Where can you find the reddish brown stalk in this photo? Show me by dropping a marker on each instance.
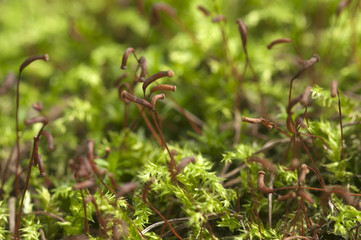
(238, 201)
(147, 189)
(149, 125)
(204, 10)
(41, 166)
(193, 120)
(292, 103)
(132, 98)
(22, 66)
(126, 54)
(143, 67)
(290, 195)
(278, 41)
(33, 160)
(306, 196)
(171, 164)
(86, 226)
(340, 117)
(155, 77)
(303, 207)
(260, 183)
(94, 167)
(156, 98)
(90, 156)
(313, 163)
(304, 172)
(167, 216)
(44, 57)
(309, 188)
(163, 87)
(305, 96)
(112, 180)
(102, 223)
(144, 198)
(251, 120)
(334, 90)
(184, 162)
(315, 58)
(347, 196)
(268, 124)
(243, 31)
(315, 136)
(341, 5)
(307, 64)
(164, 219)
(49, 139)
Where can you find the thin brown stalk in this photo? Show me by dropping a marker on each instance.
(163, 87)
(149, 125)
(278, 41)
(33, 158)
(288, 196)
(41, 166)
(172, 164)
(143, 67)
(86, 226)
(42, 234)
(22, 66)
(137, 100)
(145, 196)
(204, 10)
(156, 98)
(343, 156)
(155, 77)
(99, 214)
(315, 58)
(126, 54)
(313, 163)
(305, 96)
(193, 120)
(49, 139)
(261, 185)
